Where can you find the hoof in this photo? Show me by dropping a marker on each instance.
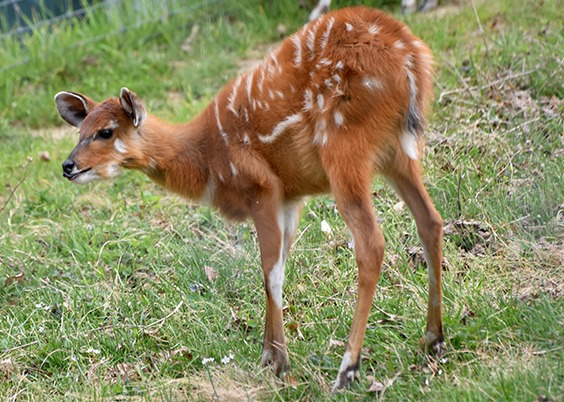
(277, 359)
(348, 372)
(432, 345)
(346, 378)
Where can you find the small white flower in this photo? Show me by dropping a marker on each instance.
(325, 228)
(207, 360)
(41, 329)
(227, 359)
(93, 351)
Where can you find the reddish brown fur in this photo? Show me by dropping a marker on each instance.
(329, 108)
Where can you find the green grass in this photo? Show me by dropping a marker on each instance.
(103, 289)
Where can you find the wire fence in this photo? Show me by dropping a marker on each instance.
(21, 18)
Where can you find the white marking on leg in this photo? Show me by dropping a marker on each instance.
(276, 276)
(119, 146)
(281, 127)
(345, 364)
(206, 199)
(409, 144)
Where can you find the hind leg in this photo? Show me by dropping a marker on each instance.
(350, 183)
(406, 179)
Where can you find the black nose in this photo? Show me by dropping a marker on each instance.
(68, 166)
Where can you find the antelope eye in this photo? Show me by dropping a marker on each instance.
(105, 133)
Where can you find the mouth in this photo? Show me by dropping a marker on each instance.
(72, 176)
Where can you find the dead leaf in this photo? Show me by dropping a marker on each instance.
(291, 381)
(211, 273)
(375, 386)
(399, 207)
(333, 343)
(19, 278)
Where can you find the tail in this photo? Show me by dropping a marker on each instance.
(414, 121)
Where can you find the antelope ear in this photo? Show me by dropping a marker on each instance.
(132, 106)
(73, 107)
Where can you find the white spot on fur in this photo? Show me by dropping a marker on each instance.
(308, 100)
(338, 119)
(337, 78)
(281, 127)
(246, 139)
(119, 146)
(234, 171)
(340, 65)
(348, 27)
(113, 124)
(409, 144)
(296, 40)
(372, 83)
(280, 94)
(320, 101)
(399, 44)
(373, 29)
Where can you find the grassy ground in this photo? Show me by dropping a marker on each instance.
(120, 291)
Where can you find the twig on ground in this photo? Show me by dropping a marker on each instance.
(489, 84)
(29, 160)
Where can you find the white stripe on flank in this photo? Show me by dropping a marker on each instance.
(219, 126)
(249, 84)
(281, 127)
(311, 40)
(325, 37)
(296, 40)
(233, 96)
